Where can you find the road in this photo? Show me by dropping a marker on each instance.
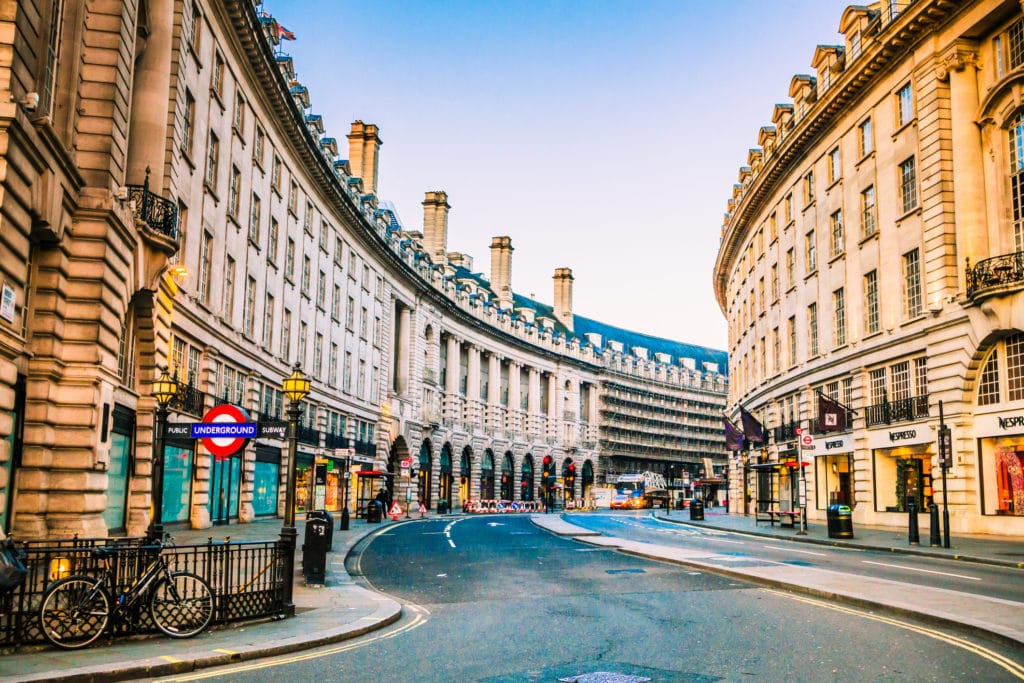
(494, 598)
(979, 579)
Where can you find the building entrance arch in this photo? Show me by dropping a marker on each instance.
(444, 480)
(507, 475)
(423, 489)
(487, 476)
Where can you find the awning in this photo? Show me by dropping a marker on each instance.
(373, 473)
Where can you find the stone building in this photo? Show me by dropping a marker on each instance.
(873, 252)
(171, 202)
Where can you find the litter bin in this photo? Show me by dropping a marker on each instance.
(324, 514)
(314, 549)
(840, 521)
(373, 513)
(696, 510)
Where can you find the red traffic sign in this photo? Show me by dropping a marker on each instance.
(225, 429)
(807, 441)
(406, 463)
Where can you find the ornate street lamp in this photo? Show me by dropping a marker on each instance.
(165, 388)
(296, 388)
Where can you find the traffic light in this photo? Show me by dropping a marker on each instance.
(547, 467)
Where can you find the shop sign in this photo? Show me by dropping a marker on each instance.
(904, 435)
(833, 445)
(1000, 424)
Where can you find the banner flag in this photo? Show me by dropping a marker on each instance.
(831, 415)
(733, 436)
(752, 429)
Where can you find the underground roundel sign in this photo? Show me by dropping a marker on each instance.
(224, 430)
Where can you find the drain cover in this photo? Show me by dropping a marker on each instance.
(604, 677)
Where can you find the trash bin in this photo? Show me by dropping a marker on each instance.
(373, 514)
(696, 510)
(314, 549)
(840, 521)
(324, 514)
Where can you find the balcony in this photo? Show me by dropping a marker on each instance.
(901, 410)
(995, 272)
(189, 400)
(786, 432)
(364, 448)
(307, 435)
(332, 441)
(158, 213)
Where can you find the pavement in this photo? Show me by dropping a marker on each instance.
(341, 610)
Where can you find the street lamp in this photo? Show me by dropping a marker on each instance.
(165, 388)
(296, 388)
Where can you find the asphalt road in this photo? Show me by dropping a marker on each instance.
(979, 579)
(497, 599)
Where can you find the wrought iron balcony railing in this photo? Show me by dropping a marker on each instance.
(158, 213)
(332, 441)
(189, 400)
(1007, 269)
(364, 448)
(307, 435)
(786, 432)
(901, 410)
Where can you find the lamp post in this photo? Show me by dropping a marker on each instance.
(165, 388)
(296, 388)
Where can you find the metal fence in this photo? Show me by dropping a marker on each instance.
(247, 580)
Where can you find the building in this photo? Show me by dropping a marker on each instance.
(873, 252)
(171, 203)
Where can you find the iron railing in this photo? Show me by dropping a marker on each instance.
(364, 448)
(332, 441)
(307, 435)
(1007, 269)
(189, 400)
(901, 410)
(247, 580)
(786, 432)
(158, 213)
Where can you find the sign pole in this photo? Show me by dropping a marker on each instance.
(946, 456)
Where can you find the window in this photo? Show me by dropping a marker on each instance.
(250, 307)
(867, 212)
(836, 233)
(346, 379)
(306, 274)
(376, 332)
(350, 314)
(293, 198)
(900, 377)
(321, 291)
(908, 185)
(318, 356)
(239, 122)
(325, 230)
(272, 240)
(810, 253)
(268, 322)
(307, 221)
(233, 190)
(839, 321)
(361, 379)
(212, 157)
(921, 376)
(776, 350)
(904, 106)
(865, 138)
(338, 250)
(275, 175)
(254, 219)
(289, 260)
(1016, 134)
(760, 295)
(876, 380)
(217, 84)
(809, 187)
(187, 122)
(792, 340)
(988, 387)
(912, 306)
(197, 26)
(993, 377)
(812, 330)
(366, 277)
(775, 282)
(205, 268)
(1015, 42)
(364, 323)
(1015, 367)
(787, 208)
(336, 303)
(835, 172)
(871, 317)
(351, 263)
(303, 341)
(332, 373)
(789, 268)
(229, 289)
(773, 228)
(286, 336)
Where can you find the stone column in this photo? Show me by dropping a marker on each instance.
(473, 385)
(402, 350)
(533, 401)
(514, 370)
(451, 382)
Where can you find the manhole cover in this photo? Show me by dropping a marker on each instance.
(605, 677)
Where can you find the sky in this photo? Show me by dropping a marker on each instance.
(600, 136)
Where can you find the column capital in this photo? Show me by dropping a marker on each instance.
(957, 57)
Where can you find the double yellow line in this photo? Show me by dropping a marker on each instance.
(1015, 668)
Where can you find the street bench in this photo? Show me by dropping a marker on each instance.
(786, 518)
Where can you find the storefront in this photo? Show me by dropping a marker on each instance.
(902, 466)
(266, 476)
(1001, 449)
(833, 470)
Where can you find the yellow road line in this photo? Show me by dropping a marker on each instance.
(226, 652)
(1015, 668)
(172, 660)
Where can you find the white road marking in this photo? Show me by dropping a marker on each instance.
(442, 576)
(926, 571)
(794, 550)
(725, 540)
(451, 542)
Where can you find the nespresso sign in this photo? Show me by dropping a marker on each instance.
(910, 435)
(1010, 422)
(832, 445)
(998, 425)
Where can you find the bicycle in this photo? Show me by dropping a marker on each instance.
(76, 610)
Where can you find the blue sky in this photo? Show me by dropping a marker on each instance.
(600, 136)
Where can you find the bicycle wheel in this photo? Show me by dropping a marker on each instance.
(75, 611)
(182, 605)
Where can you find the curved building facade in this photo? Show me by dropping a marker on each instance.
(873, 253)
(172, 202)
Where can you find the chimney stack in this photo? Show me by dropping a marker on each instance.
(435, 226)
(501, 270)
(563, 296)
(363, 152)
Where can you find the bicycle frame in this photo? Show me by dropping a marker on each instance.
(127, 598)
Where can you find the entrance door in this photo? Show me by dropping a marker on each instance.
(224, 485)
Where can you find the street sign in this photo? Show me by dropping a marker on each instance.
(180, 429)
(807, 441)
(224, 430)
(277, 429)
(406, 463)
(405, 471)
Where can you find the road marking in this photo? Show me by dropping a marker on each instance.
(1004, 662)
(725, 540)
(172, 660)
(794, 550)
(451, 542)
(926, 571)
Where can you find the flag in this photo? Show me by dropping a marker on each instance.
(284, 34)
(733, 436)
(752, 429)
(831, 415)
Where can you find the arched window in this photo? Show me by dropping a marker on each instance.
(1003, 380)
(1016, 133)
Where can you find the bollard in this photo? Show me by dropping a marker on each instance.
(914, 536)
(934, 539)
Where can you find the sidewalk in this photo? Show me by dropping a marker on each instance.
(993, 617)
(338, 611)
